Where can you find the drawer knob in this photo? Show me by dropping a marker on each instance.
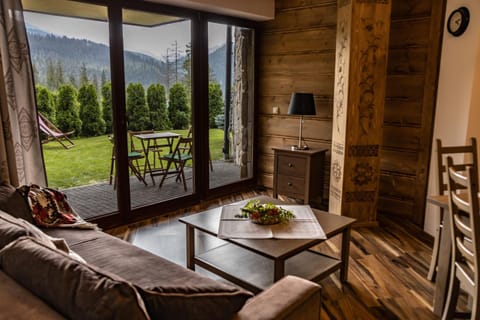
(289, 184)
(290, 164)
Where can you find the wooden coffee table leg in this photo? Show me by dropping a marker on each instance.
(190, 247)
(345, 254)
(279, 270)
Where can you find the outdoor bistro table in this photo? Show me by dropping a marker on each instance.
(150, 141)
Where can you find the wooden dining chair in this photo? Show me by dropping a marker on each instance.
(465, 234)
(442, 152)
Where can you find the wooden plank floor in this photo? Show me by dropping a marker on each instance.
(387, 271)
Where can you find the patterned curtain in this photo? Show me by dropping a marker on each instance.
(21, 160)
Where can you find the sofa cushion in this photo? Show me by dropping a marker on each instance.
(75, 289)
(18, 303)
(12, 228)
(170, 291)
(14, 203)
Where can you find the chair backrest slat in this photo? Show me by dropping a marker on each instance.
(464, 217)
(443, 151)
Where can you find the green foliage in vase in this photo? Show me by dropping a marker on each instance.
(265, 213)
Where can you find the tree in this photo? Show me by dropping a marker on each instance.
(90, 115)
(107, 107)
(178, 110)
(83, 75)
(137, 110)
(45, 102)
(215, 102)
(103, 78)
(59, 74)
(72, 80)
(51, 78)
(157, 103)
(187, 68)
(67, 109)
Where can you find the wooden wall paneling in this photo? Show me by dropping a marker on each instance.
(313, 40)
(407, 60)
(304, 18)
(403, 112)
(399, 161)
(428, 114)
(411, 89)
(322, 103)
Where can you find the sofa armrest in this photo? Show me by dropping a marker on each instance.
(289, 298)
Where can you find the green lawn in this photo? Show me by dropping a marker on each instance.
(89, 161)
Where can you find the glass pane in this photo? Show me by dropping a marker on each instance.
(158, 89)
(231, 72)
(71, 65)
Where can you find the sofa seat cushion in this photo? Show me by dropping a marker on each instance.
(75, 289)
(169, 290)
(18, 303)
(73, 236)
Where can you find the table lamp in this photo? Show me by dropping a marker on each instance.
(301, 104)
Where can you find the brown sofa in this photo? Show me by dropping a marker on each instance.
(41, 279)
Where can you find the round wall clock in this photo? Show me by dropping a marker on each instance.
(458, 20)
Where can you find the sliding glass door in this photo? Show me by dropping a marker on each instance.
(157, 64)
(230, 103)
(71, 63)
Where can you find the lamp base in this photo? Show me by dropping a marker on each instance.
(304, 147)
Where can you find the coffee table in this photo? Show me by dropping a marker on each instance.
(256, 264)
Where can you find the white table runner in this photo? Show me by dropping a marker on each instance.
(304, 226)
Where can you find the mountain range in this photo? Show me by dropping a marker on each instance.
(47, 48)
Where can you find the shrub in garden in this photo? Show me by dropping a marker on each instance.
(178, 110)
(215, 102)
(67, 109)
(92, 122)
(137, 110)
(45, 102)
(107, 107)
(157, 103)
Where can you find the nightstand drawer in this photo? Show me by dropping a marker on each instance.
(292, 166)
(291, 185)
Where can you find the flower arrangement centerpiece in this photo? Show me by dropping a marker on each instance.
(265, 213)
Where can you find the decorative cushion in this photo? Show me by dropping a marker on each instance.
(12, 228)
(74, 289)
(14, 203)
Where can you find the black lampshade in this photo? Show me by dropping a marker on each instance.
(302, 104)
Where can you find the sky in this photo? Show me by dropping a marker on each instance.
(152, 41)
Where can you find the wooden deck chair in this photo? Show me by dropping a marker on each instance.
(177, 159)
(53, 133)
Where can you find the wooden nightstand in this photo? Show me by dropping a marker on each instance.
(299, 174)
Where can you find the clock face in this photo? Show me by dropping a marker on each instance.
(458, 21)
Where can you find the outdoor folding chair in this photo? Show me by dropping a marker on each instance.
(53, 133)
(176, 161)
(132, 156)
